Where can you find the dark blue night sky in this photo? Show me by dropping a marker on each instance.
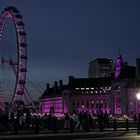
(63, 36)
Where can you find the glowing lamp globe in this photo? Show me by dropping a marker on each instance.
(138, 96)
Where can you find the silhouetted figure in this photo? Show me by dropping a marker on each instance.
(67, 121)
(54, 124)
(138, 123)
(91, 125)
(22, 121)
(127, 125)
(115, 124)
(135, 119)
(36, 125)
(86, 122)
(71, 125)
(4, 120)
(28, 119)
(16, 125)
(45, 117)
(100, 121)
(12, 117)
(106, 120)
(49, 122)
(80, 121)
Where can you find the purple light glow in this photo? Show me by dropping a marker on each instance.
(57, 103)
(118, 66)
(92, 107)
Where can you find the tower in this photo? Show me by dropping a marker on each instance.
(100, 67)
(118, 66)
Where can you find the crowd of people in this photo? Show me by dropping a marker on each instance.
(85, 121)
(82, 121)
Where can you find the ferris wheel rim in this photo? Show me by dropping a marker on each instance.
(20, 72)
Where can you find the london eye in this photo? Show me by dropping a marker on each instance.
(18, 61)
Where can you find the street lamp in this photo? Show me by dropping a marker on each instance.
(138, 97)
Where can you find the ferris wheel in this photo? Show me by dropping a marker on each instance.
(18, 63)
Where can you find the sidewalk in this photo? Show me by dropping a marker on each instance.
(69, 135)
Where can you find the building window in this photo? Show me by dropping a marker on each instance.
(77, 104)
(101, 105)
(83, 106)
(92, 104)
(73, 104)
(97, 105)
(105, 105)
(87, 104)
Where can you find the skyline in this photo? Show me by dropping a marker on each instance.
(64, 36)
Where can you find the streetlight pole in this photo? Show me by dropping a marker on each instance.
(137, 102)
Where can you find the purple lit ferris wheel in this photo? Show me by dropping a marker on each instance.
(19, 63)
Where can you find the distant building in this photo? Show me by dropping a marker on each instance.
(100, 67)
(80, 94)
(33, 107)
(115, 94)
(138, 68)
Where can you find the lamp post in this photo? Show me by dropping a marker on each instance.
(137, 102)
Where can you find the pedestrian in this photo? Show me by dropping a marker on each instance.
(16, 125)
(115, 124)
(54, 124)
(127, 124)
(139, 123)
(36, 125)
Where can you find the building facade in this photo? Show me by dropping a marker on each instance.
(100, 67)
(115, 94)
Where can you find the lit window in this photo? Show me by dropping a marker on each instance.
(91, 91)
(92, 88)
(77, 88)
(87, 88)
(82, 88)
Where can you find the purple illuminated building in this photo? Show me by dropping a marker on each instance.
(115, 94)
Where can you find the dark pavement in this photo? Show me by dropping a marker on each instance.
(106, 135)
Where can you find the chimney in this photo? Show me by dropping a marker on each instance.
(55, 85)
(71, 78)
(60, 84)
(47, 86)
